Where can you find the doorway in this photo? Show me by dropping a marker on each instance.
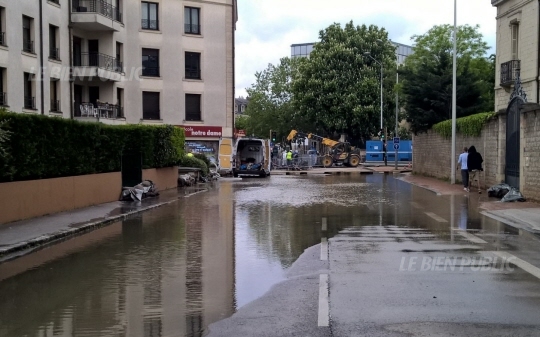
(511, 170)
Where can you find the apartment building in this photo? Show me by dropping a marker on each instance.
(122, 61)
(518, 41)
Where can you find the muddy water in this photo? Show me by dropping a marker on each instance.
(175, 270)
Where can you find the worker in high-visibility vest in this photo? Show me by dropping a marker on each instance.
(289, 158)
(190, 154)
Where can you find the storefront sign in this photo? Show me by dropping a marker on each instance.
(239, 133)
(203, 131)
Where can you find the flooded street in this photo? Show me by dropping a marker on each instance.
(175, 270)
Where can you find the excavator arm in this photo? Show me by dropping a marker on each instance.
(325, 141)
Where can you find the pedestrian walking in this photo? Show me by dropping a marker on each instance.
(474, 165)
(284, 158)
(462, 161)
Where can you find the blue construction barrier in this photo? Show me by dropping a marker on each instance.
(374, 151)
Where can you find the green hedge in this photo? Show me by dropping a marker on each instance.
(47, 147)
(187, 161)
(468, 126)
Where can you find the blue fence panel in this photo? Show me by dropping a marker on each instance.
(374, 151)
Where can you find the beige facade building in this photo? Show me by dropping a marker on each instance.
(122, 61)
(517, 49)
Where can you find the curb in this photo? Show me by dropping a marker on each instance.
(26, 247)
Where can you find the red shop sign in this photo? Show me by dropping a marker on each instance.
(203, 131)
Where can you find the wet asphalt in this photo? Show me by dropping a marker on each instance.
(285, 256)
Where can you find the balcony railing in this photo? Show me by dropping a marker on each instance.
(55, 105)
(28, 46)
(100, 110)
(150, 24)
(98, 60)
(194, 74)
(29, 102)
(54, 53)
(55, 1)
(192, 29)
(3, 99)
(3, 39)
(97, 6)
(509, 72)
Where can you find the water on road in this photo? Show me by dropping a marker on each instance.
(176, 269)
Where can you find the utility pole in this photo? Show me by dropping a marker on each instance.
(454, 72)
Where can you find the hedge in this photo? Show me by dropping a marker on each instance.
(47, 147)
(468, 126)
(187, 161)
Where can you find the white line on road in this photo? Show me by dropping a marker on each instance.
(470, 237)
(324, 249)
(518, 262)
(324, 310)
(324, 224)
(435, 217)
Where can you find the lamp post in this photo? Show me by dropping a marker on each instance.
(380, 64)
(454, 71)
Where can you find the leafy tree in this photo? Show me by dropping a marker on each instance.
(338, 88)
(427, 76)
(270, 101)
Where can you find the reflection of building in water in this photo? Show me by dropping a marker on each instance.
(165, 273)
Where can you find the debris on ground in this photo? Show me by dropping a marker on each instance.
(140, 191)
(506, 192)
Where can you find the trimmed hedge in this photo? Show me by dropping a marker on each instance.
(468, 126)
(47, 147)
(186, 161)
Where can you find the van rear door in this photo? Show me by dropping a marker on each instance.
(267, 161)
(225, 154)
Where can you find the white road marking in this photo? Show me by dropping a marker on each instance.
(435, 217)
(324, 249)
(324, 309)
(470, 237)
(324, 224)
(535, 271)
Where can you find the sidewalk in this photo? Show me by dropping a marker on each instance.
(21, 237)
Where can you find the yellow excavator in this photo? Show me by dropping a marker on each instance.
(340, 153)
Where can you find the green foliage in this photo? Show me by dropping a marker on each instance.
(202, 157)
(468, 126)
(45, 147)
(242, 123)
(186, 161)
(271, 102)
(338, 88)
(427, 76)
(4, 137)
(404, 133)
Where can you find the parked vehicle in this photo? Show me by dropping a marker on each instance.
(251, 157)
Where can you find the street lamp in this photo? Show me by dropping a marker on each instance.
(380, 64)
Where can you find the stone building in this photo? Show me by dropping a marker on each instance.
(122, 62)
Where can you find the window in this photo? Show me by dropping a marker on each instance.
(54, 51)
(193, 65)
(515, 41)
(149, 13)
(55, 101)
(150, 62)
(119, 56)
(193, 107)
(3, 94)
(3, 41)
(243, 108)
(191, 20)
(28, 43)
(29, 99)
(150, 105)
(119, 103)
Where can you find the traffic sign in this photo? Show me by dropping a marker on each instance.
(396, 146)
(396, 140)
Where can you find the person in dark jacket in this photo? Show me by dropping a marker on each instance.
(474, 165)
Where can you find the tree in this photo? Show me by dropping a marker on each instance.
(338, 88)
(427, 76)
(270, 100)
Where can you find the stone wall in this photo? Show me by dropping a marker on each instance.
(432, 152)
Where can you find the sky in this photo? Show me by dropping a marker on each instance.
(267, 28)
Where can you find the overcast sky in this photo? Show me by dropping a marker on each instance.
(267, 28)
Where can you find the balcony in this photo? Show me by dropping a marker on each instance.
(29, 103)
(100, 111)
(3, 99)
(509, 72)
(28, 46)
(96, 15)
(89, 65)
(55, 105)
(54, 54)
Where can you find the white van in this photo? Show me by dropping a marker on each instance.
(251, 157)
